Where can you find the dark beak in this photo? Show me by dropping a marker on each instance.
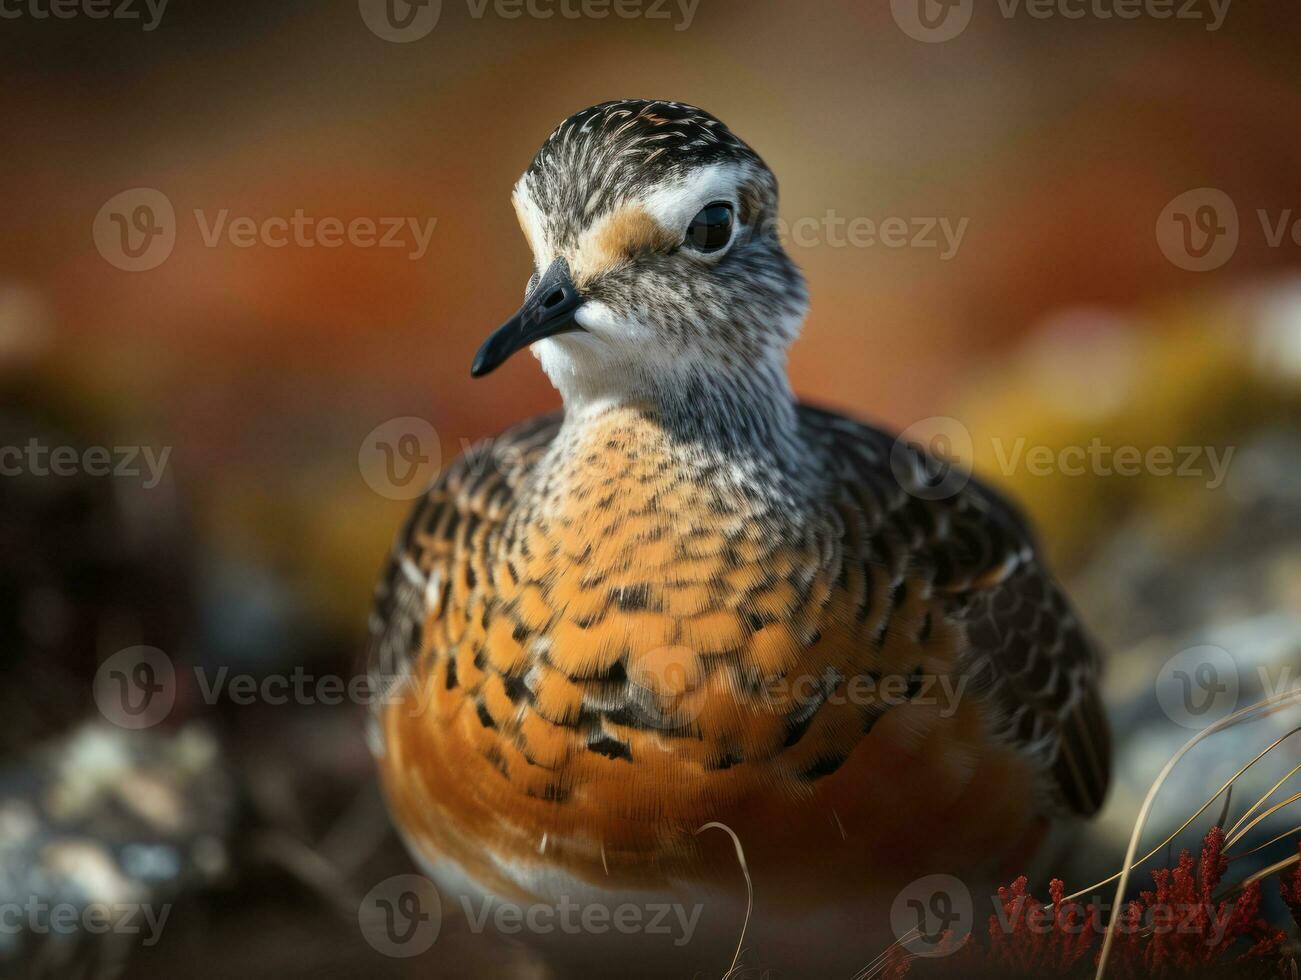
(548, 310)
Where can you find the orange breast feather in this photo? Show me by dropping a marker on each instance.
(636, 650)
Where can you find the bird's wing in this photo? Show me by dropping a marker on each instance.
(449, 531)
(1026, 651)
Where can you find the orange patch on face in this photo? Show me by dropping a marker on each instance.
(619, 236)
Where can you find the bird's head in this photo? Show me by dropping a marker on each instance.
(657, 260)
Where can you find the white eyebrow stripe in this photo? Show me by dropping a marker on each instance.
(531, 221)
(674, 205)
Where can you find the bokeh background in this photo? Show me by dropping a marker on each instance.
(1056, 144)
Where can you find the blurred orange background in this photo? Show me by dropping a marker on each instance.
(1054, 144)
(1058, 141)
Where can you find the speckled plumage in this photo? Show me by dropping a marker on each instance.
(691, 598)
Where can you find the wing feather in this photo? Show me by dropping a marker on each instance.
(1028, 653)
(450, 530)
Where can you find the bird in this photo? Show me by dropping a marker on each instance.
(693, 635)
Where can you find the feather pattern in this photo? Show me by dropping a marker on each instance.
(613, 636)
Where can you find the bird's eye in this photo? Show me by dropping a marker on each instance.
(711, 229)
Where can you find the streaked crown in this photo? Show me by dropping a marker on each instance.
(608, 155)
